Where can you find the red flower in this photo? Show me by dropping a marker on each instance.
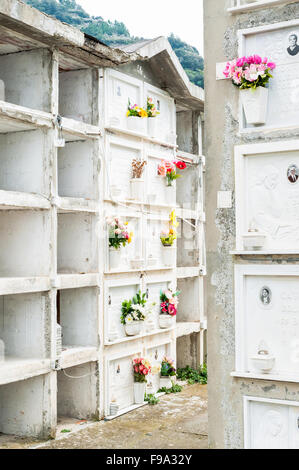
(180, 165)
(171, 310)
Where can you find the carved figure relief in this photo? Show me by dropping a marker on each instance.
(272, 426)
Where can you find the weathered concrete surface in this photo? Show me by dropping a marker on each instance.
(179, 421)
(222, 134)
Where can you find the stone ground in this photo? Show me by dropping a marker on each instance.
(179, 421)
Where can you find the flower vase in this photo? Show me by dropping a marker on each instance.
(134, 328)
(166, 321)
(152, 127)
(136, 124)
(170, 195)
(137, 186)
(168, 256)
(165, 381)
(255, 103)
(114, 258)
(139, 392)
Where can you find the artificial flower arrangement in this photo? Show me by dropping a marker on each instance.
(141, 368)
(119, 234)
(133, 310)
(168, 237)
(167, 367)
(151, 108)
(136, 111)
(251, 75)
(249, 72)
(169, 302)
(168, 170)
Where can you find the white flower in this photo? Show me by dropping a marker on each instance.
(129, 319)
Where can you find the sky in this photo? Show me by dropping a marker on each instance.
(157, 18)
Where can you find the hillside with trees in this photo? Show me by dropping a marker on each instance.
(114, 33)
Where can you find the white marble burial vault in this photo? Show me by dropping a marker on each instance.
(271, 424)
(267, 194)
(273, 41)
(267, 320)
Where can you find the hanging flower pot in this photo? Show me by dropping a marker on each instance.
(166, 321)
(170, 195)
(139, 392)
(165, 382)
(114, 258)
(251, 75)
(168, 256)
(136, 124)
(255, 104)
(133, 328)
(137, 189)
(152, 127)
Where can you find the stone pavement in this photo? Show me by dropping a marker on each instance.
(179, 421)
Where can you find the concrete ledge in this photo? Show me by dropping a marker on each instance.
(19, 200)
(14, 118)
(264, 252)
(143, 335)
(119, 130)
(20, 285)
(73, 204)
(75, 355)
(74, 130)
(73, 281)
(15, 369)
(185, 272)
(257, 5)
(272, 377)
(187, 328)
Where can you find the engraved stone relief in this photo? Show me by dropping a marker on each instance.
(272, 198)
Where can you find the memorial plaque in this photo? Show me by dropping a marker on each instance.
(271, 424)
(267, 314)
(267, 195)
(280, 45)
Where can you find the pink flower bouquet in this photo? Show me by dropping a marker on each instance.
(169, 302)
(249, 72)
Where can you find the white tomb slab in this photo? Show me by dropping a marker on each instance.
(271, 424)
(273, 42)
(267, 193)
(267, 313)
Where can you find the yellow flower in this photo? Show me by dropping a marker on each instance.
(173, 220)
(130, 237)
(128, 113)
(126, 223)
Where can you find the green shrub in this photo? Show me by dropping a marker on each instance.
(193, 376)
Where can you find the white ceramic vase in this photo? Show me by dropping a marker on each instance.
(165, 382)
(255, 104)
(139, 392)
(2, 90)
(152, 127)
(168, 256)
(137, 186)
(254, 240)
(170, 195)
(134, 328)
(166, 321)
(263, 363)
(136, 124)
(114, 258)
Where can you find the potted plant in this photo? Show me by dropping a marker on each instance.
(168, 170)
(133, 314)
(141, 368)
(137, 182)
(251, 75)
(152, 112)
(135, 115)
(167, 371)
(168, 241)
(118, 236)
(168, 308)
